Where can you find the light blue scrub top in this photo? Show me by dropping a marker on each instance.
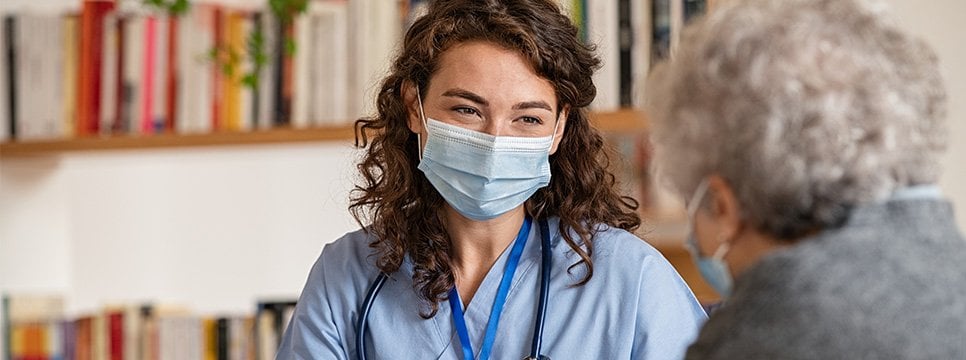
(636, 306)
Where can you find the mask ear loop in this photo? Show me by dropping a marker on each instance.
(422, 117)
(553, 135)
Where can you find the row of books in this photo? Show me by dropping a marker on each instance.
(120, 67)
(35, 328)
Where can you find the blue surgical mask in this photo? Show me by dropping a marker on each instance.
(480, 175)
(713, 269)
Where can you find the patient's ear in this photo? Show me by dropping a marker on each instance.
(409, 97)
(724, 207)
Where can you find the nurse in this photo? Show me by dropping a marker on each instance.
(483, 185)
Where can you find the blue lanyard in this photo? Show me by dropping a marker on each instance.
(493, 322)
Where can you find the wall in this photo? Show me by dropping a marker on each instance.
(213, 228)
(940, 23)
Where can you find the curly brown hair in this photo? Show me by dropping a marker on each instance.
(404, 210)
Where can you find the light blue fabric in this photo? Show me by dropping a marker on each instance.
(917, 192)
(480, 175)
(635, 307)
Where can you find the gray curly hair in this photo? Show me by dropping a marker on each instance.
(806, 108)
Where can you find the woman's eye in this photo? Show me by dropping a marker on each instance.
(531, 120)
(466, 111)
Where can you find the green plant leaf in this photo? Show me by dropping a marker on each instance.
(290, 47)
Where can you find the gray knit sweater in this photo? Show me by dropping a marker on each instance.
(889, 284)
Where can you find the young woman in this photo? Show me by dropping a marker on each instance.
(492, 227)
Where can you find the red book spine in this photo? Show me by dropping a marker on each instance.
(171, 86)
(147, 84)
(218, 90)
(89, 71)
(115, 334)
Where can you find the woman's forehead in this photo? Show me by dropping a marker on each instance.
(492, 71)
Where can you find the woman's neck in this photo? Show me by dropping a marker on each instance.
(477, 245)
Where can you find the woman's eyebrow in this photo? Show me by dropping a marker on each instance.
(537, 104)
(476, 98)
(468, 95)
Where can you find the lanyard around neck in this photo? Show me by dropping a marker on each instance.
(498, 302)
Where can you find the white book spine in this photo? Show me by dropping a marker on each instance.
(315, 70)
(359, 35)
(28, 122)
(133, 72)
(386, 27)
(195, 83)
(333, 66)
(641, 53)
(266, 77)
(602, 29)
(53, 103)
(300, 73)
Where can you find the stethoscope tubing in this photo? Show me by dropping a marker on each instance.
(546, 266)
(535, 345)
(364, 313)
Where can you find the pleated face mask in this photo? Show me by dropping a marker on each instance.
(480, 175)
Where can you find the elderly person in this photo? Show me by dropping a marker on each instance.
(807, 136)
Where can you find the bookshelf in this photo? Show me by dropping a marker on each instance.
(621, 121)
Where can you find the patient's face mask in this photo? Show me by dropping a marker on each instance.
(713, 269)
(480, 175)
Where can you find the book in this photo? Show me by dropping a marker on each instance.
(71, 30)
(603, 31)
(375, 27)
(640, 50)
(195, 88)
(39, 50)
(109, 73)
(329, 105)
(90, 59)
(265, 24)
(304, 66)
(31, 324)
(6, 118)
(132, 68)
(625, 40)
(171, 71)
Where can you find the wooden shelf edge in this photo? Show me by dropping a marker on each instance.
(274, 136)
(620, 121)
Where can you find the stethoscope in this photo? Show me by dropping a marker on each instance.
(545, 267)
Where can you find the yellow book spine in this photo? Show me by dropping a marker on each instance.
(210, 333)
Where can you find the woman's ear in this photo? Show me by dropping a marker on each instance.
(410, 99)
(560, 126)
(724, 207)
